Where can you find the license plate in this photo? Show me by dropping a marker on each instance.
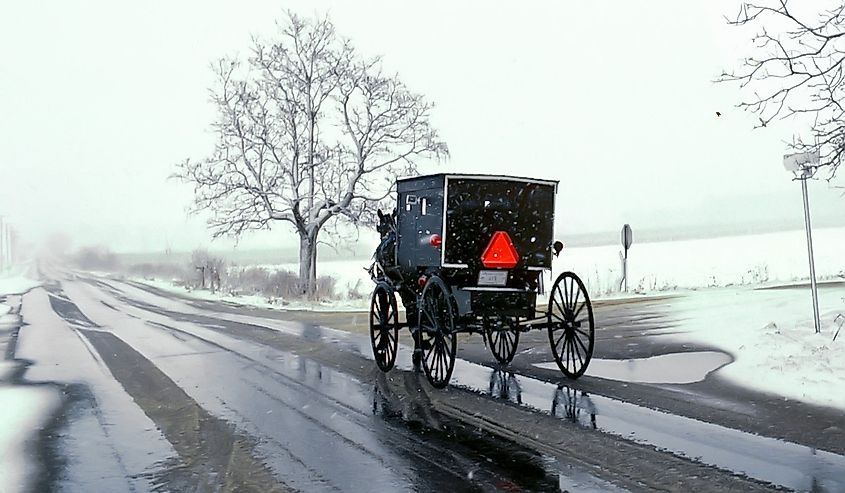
(492, 278)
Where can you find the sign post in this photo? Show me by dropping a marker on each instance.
(627, 239)
(804, 166)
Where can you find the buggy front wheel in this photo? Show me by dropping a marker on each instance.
(570, 324)
(436, 332)
(384, 326)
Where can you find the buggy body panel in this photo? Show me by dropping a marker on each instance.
(465, 210)
(479, 206)
(419, 215)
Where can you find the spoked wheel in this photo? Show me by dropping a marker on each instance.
(384, 326)
(571, 326)
(437, 333)
(504, 338)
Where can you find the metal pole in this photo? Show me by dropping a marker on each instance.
(2, 250)
(810, 250)
(625, 270)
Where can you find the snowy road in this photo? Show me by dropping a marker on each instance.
(160, 393)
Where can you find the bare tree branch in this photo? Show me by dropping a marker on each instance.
(796, 70)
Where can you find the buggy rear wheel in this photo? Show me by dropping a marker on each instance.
(437, 332)
(384, 326)
(570, 324)
(503, 338)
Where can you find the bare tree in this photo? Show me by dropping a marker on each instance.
(308, 132)
(796, 70)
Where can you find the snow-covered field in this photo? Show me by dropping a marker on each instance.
(733, 260)
(769, 258)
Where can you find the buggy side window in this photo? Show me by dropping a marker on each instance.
(410, 200)
(423, 206)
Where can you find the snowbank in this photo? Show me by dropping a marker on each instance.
(24, 409)
(792, 361)
(16, 282)
(813, 365)
(771, 335)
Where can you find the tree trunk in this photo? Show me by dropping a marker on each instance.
(308, 263)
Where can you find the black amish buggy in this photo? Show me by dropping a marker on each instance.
(467, 253)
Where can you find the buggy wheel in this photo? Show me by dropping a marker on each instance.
(504, 338)
(437, 332)
(384, 326)
(570, 324)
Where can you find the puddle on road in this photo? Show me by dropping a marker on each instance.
(767, 459)
(673, 368)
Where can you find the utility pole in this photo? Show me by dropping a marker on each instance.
(2, 245)
(10, 244)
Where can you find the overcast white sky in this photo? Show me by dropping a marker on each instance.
(99, 99)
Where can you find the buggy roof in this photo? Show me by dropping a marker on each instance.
(476, 176)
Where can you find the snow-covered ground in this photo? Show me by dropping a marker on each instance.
(779, 257)
(762, 259)
(355, 304)
(770, 258)
(771, 334)
(23, 409)
(16, 281)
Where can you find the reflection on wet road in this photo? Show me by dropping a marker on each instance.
(234, 401)
(767, 459)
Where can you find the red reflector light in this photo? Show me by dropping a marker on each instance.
(435, 241)
(500, 252)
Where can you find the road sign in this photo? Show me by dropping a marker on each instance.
(794, 162)
(627, 237)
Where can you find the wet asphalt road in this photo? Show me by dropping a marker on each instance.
(165, 394)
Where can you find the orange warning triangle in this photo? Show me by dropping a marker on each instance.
(500, 252)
